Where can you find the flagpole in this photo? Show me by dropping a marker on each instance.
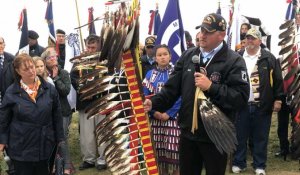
(81, 40)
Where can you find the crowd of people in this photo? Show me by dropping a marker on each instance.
(35, 114)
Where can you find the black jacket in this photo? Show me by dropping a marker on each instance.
(63, 86)
(229, 90)
(269, 71)
(36, 50)
(62, 55)
(146, 66)
(31, 129)
(7, 73)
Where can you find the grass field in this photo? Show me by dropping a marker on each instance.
(275, 166)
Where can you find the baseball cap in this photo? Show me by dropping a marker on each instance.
(150, 41)
(213, 22)
(254, 32)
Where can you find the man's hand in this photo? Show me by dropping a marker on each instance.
(147, 105)
(202, 81)
(2, 146)
(277, 106)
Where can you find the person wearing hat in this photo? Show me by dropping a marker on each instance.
(225, 83)
(34, 48)
(266, 93)
(61, 47)
(188, 40)
(148, 60)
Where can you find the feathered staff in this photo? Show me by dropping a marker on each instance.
(219, 128)
(290, 69)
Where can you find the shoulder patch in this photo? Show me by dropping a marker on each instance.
(244, 75)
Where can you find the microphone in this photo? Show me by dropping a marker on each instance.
(196, 61)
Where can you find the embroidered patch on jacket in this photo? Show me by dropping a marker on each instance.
(215, 77)
(244, 75)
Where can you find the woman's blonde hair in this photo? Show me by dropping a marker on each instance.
(45, 73)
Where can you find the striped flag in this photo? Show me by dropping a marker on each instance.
(171, 31)
(155, 22)
(91, 26)
(49, 19)
(23, 26)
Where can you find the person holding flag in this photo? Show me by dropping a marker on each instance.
(224, 83)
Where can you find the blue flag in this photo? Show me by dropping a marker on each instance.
(49, 19)
(171, 30)
(157, 22)
(23, 25)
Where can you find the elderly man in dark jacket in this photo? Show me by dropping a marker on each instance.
(34, 48)
(225, 83)
(147, 60)
(6, 69)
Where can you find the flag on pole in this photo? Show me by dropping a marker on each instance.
(233, 38)
(155, 22)
(91, 26)
(23, 26)
(49, 19)
(171, 30)
(72, 50)
(219, 9)
(290, 12)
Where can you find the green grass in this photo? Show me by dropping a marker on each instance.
(275, 166)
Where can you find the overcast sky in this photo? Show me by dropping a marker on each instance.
(271, 13)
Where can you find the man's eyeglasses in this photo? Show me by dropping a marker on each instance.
(51, 57)
(250, 38)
